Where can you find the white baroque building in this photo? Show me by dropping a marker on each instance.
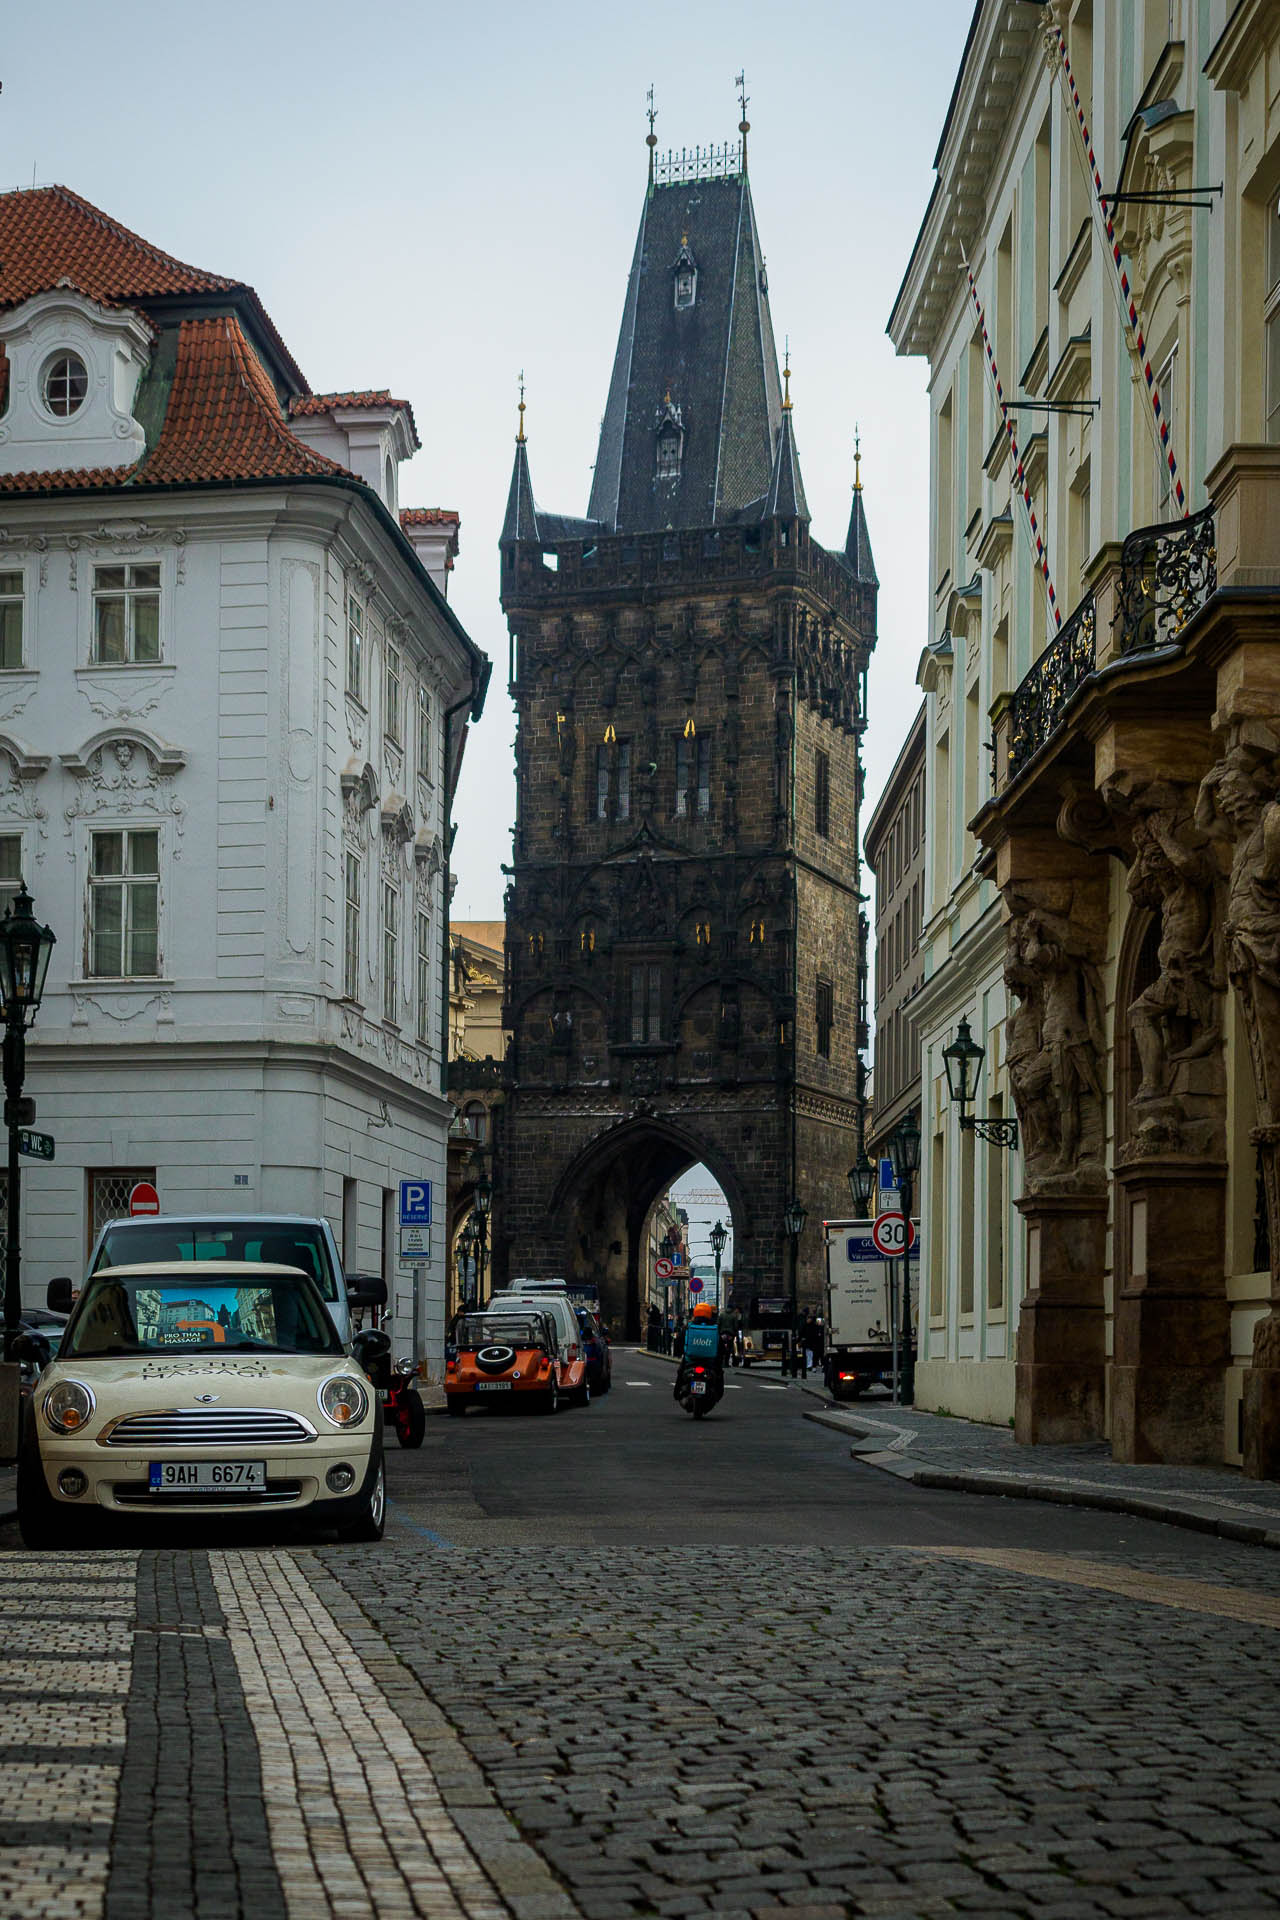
(233, 703)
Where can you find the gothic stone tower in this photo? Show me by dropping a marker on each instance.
(685, 948)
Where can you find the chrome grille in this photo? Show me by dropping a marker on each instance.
(208, 1427)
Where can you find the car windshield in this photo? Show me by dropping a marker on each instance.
(163, 1313)
(506, 1329)
(277, 1246)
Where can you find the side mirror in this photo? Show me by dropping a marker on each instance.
(58, 1295)
(373, 1352)
(366, 1290)
(33, 1348)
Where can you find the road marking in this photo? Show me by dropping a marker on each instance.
(1164, 1590)
(637, 1383)
(356, 1818)
(775, 1389)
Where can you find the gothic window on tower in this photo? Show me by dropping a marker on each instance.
(669, 454)
(825, 1015)
(693, 777)
(613, 780)
(645, 1002)
(684, 287)
(821, 794)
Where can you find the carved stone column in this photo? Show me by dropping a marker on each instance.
(1056, 900)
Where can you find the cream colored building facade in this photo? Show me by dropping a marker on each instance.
(1091, 864)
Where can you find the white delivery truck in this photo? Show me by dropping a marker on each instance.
(864, 1295)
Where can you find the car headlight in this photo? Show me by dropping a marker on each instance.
(343, 1401)
(67, 1406)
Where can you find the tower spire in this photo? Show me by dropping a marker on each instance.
(651, 138)
(786, 375)
(857, 459)
(744, 125)
(520, 433)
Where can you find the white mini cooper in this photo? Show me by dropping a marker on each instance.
(219, 1387)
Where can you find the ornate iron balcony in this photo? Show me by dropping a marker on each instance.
(1167, 573)
(1040, 699)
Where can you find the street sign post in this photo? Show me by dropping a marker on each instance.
(38, 1145)
(415, 1203)
(890, 1235)
(143, 1200)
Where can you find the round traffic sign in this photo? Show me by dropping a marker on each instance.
(890, 1233)
(663, 1268)
(143, 1199)
(695, 1285)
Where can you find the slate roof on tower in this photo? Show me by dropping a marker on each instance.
(714, 355)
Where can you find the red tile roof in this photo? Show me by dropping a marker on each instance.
(65, 477)
(429, 517)
(223, 420)
(49, 235)
(308, 403)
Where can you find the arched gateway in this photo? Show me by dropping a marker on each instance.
(685, 946)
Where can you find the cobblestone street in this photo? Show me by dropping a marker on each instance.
(617, 1665)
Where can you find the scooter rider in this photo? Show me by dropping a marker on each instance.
(703, 1315)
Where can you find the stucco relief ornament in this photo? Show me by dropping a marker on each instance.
(1055, 1045)
(18, 774)
(125, 775)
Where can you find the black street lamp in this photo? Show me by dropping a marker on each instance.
(484, 1200)
(862, 1184)
(904, 1147)
(25, 950)
(794, 1218)
(963, 1061)
(719, 1234)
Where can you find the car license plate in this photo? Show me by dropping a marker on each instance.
(208, 1476)
(493, 1386)
(699, 1386)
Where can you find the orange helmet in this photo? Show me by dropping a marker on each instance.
(704, 1311)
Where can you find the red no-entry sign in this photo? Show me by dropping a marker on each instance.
(143, 1199)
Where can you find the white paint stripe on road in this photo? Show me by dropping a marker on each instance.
(637, 1383)
(356, 1818)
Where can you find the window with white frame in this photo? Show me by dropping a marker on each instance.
(391, 695)
(355, 647)
(126, 614)
(66, 382)
(390, 948)
(423, 997)
(1166, 381)
(12, 611)
(10, 869)
(351, 929)
(1271, 316)
(124, 904)
(424, 733)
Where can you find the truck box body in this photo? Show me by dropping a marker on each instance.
(859, 1331)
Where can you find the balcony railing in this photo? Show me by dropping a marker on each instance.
(1166, 574)
(1043, 694)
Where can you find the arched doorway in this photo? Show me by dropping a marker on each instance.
(604, 1200)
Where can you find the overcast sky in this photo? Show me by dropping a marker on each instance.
(430, 198)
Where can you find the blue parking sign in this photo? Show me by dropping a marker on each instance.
(415, 1203)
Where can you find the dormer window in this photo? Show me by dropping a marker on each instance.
(685, 269)
(669, 454)
(66, 382)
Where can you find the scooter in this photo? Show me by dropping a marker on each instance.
(699, 1384)
(402, 1404)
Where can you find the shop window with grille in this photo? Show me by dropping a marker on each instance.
(109, 1190)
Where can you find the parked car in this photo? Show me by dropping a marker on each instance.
(285, 1239)
(573, 1360)
(504, 1355)
(49, 1326)
(213, 1393)
(595, 1345)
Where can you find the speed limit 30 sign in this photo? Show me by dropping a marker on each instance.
(891, 1235)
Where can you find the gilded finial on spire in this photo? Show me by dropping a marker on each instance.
(520, 434)
(651, 138)
(857, 459)
(786, 375)
(744, 125)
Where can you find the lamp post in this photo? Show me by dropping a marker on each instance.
(963, 1061)
(862, 1184)
(25, 949)
(794, 1218)
(467, 1252)
(719, 1234)
(904, 1147)
(484, 1200)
